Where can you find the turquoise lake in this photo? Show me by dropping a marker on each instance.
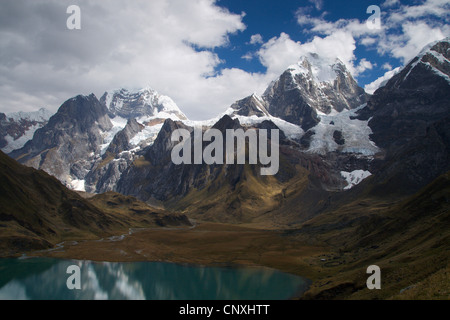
(45, 279)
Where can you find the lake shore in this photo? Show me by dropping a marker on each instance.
(331, 272)
(208, 244)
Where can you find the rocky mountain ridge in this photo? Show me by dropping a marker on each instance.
(18, 127)
(331, 128)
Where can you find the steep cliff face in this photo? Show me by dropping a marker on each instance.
(106, 171)
(88, 143)
(410, 120)
(328, 126)
(68, 144)
(313, 85)
(143, 103)
(224, 192)
(18, 128)
(250, 106)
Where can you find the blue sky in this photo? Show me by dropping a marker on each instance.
(204, 54)
(270, 18)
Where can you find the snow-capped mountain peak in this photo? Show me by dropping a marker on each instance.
(17, 128)
(314, 84)
(142, 103)
(317, 68)
(41, 115)
(434, 56)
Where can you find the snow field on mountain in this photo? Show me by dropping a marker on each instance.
(355, 177)
(20, 142)
(118, 125)
(355, 132)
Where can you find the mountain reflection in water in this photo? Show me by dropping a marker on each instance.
(43, 278)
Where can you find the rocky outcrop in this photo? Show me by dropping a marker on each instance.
(250, 106)
(121, 140)
(143, 103)
(310, 86)
(67, 146)
(18, 128)
(106, 171)
(409, 118)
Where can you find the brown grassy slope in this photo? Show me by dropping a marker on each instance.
(409, 240)
(251, 196)
(37, 211)
(137, 213)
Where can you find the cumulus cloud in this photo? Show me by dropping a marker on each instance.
(256, 39)
(363, 66)
(390, 3)
(165, 44)
(387, 66)
(414, 37)
(405, 30)
(170, 45)
(318, 4)
(381, 81)
(280, 52)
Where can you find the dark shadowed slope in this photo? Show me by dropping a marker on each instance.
(37, 211)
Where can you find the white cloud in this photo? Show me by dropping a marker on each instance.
(280, 52)
(381, 81)
(256, 39)
(405, 29)
(363, 66)
(248, 56)
(367, 41)
(164, 44)
(415, 37)
(387, 66)
(390, 3)
(318, 4)
(438, 8)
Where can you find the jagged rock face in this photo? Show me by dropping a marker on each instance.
(107, 170)
(410, 119)
(344, 93)
(104, 176)
(146, 102)
(250, 106)
(121, 140)
(157, 177)
(413, 99)
(285, 100)
(85, 150)
(227, 192)
(67, 145)
(3, 142)
(150, 109)
(18, 128)
(308, 87)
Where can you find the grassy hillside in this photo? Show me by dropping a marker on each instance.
(37, 211)
(409, 240)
